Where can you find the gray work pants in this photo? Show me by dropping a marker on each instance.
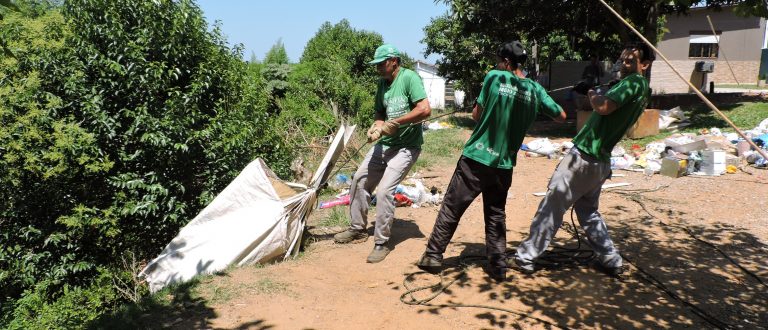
(576, 181)
(385, 169)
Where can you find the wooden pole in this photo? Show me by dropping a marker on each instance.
(720, 49)
(696, 90)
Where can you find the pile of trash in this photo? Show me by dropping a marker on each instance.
(543, 147)
(411, 192)
(710, 152)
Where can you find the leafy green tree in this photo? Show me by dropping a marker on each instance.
(561, 29)
(331, 82)
(119, 121)
(277, 54)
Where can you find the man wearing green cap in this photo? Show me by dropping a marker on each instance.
(400, 100)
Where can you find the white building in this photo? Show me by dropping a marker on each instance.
(438, 91)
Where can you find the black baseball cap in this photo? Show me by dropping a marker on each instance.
(513, 51)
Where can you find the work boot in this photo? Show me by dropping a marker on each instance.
(429, 264)
(497, 267)
(380, 251)
(520, 266)
(499, 274)
(350, 236)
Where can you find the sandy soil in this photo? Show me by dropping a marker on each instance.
(685, 243)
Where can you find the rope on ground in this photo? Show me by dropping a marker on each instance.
(556, 257)
(442, 285)
(635, 196)
(696, 310)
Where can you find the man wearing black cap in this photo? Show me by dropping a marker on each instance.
(506, 108)
(580, 175)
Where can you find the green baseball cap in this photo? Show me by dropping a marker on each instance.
(384, 52)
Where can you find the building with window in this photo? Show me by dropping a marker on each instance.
(439, 91)
(694, 50)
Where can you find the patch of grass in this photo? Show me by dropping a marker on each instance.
(745, 115)
(441, 147)
(336, 217)
(462, 120)
(268, 286)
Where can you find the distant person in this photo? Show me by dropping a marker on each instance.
(400, 100)
(592, 72)
(581, 173)
(506, 108)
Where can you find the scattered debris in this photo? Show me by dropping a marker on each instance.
(605, 186)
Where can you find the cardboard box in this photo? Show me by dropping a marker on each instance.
(673, 167)
(581, 119)
(646, 125)
(713, 162)
(688, 147)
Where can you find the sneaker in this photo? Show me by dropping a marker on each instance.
(526, 269)
(611, 271)
(351, 236)
(429, 264)
(380, 251)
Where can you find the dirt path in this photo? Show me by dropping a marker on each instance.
(332, 287)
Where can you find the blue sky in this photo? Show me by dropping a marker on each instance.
(258, 24)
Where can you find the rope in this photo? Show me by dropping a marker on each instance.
(634, 195)
(367, 142)
(556, 257)
(442, 285)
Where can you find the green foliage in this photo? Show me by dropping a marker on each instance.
(277, 54)
(119, 121)
(72, 308)
(331, 83)
(470, 33)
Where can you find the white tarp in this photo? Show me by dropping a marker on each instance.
(256, 218)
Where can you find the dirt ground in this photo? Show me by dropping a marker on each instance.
(696, 250)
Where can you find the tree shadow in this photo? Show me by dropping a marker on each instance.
(254, 325)
(701, 116)
(176, 307)
(674, 280)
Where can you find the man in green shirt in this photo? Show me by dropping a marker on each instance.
(400, 100)
(506, 108)
(580, 175)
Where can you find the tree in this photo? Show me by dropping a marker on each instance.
(119, 121)
(276, 70)
(277, 54)
(560, 29)
(339, 76)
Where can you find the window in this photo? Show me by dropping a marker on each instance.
(701, 45)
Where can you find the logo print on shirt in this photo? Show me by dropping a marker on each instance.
(507, 89)
(397, 106)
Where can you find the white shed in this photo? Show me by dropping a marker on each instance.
(438, 90)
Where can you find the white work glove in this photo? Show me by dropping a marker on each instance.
(390, 127)
(374, 133)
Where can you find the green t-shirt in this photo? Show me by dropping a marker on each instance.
(601, 133)
(510, 105)
(396, 100)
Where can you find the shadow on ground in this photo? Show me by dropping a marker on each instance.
(177, 307)
(675, 280)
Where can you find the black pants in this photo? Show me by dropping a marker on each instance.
(469, 180)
